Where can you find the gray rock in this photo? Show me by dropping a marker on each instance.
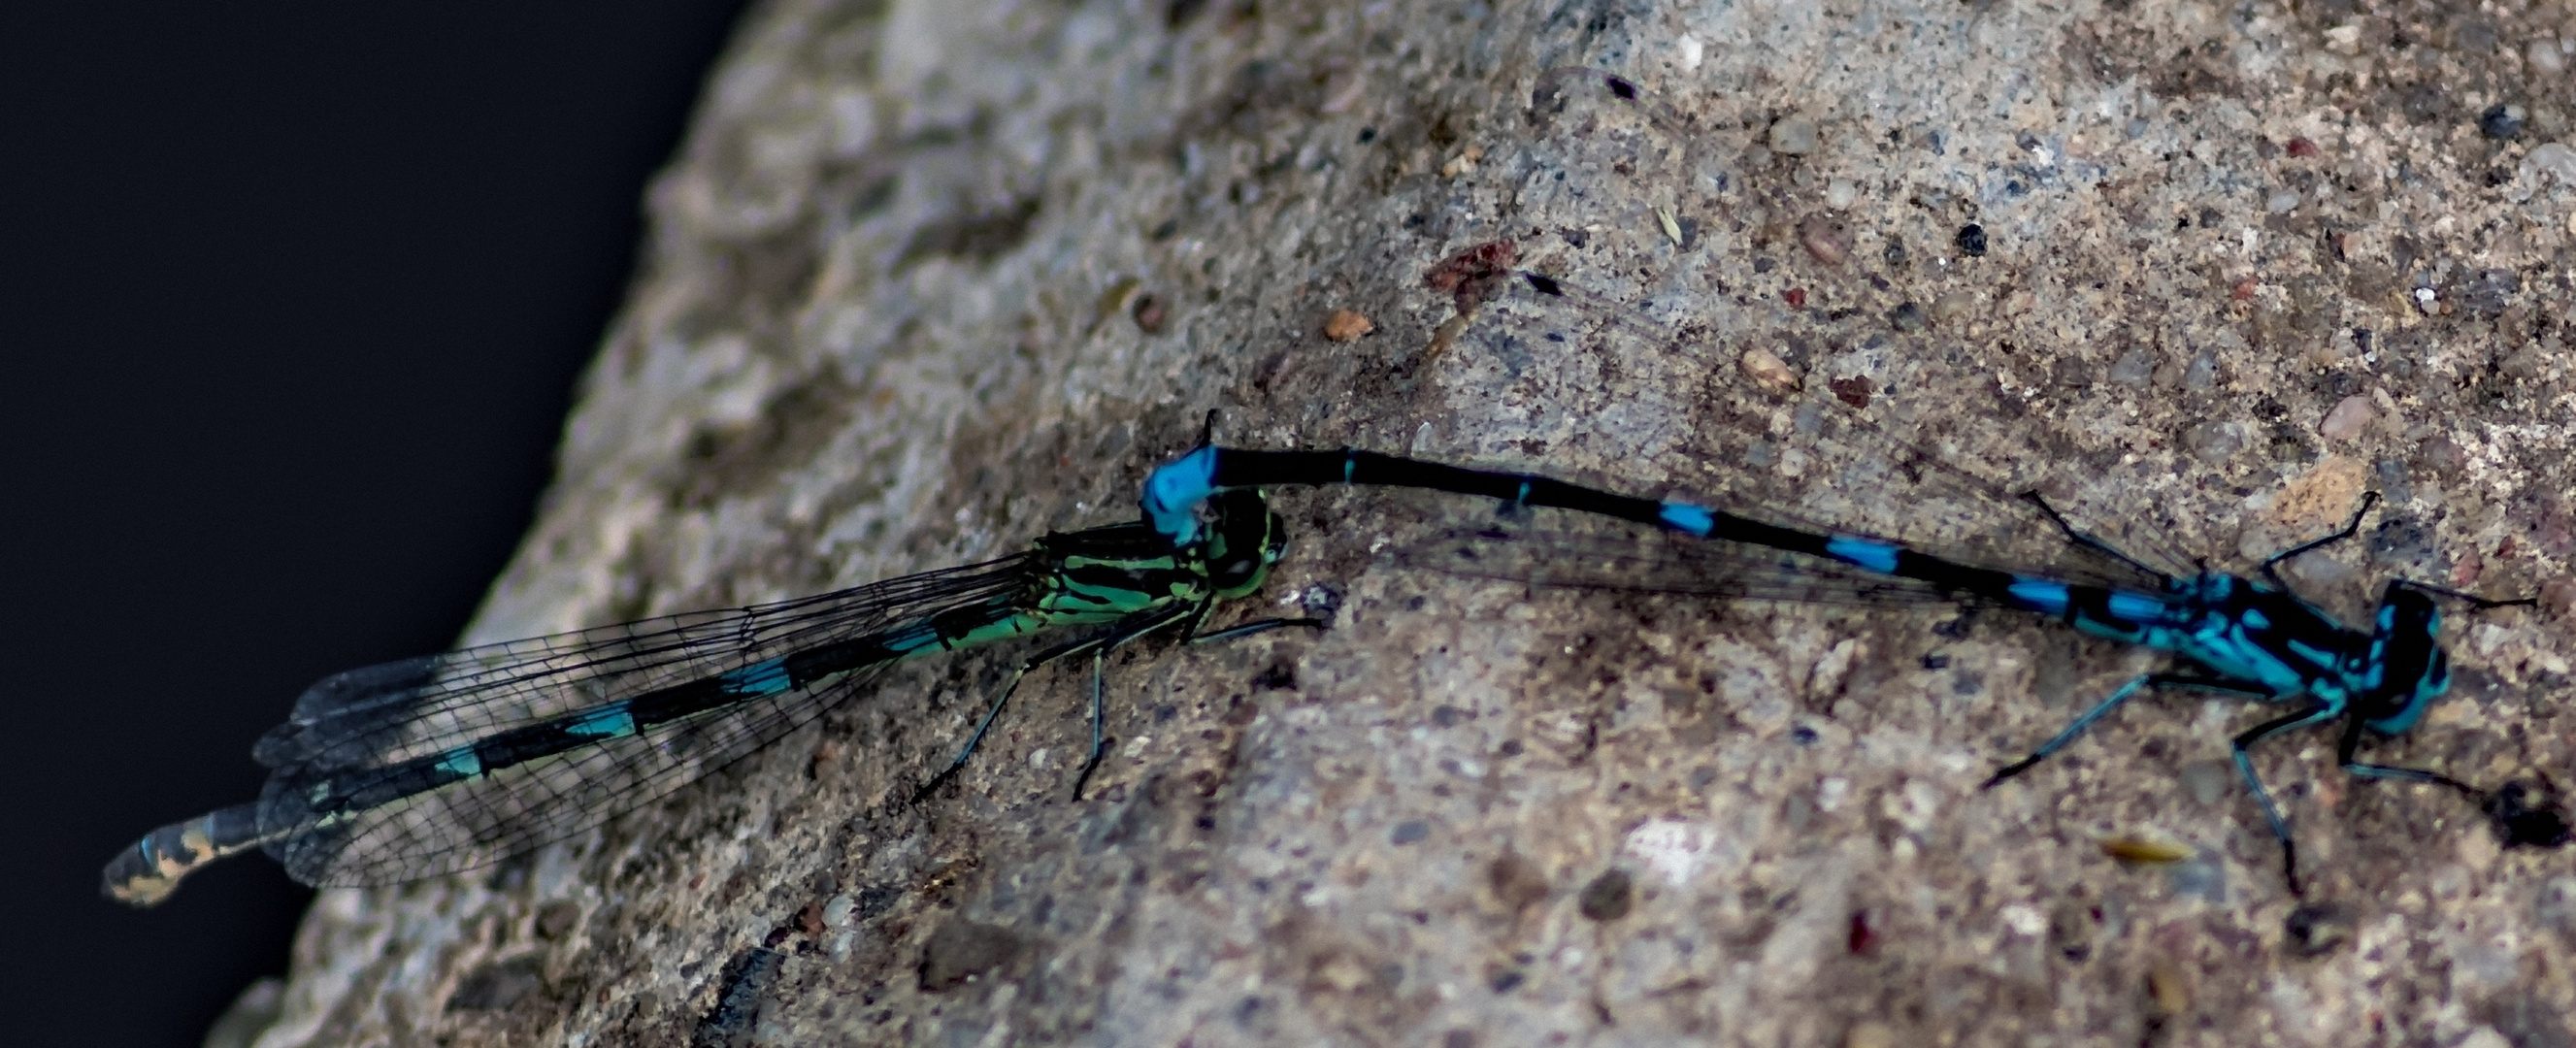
(894, 318)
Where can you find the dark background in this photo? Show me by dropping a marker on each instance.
(292, 299)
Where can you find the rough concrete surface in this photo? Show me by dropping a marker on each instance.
(932, 278)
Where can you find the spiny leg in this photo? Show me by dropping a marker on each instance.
(1246, 629)
(2272, 564)
(1123, 632)
(2103, 708)
(2473, 600)
(2263, 797)
(2347, 749)
(2087, 539)
(2517, 820)
(1100, 687)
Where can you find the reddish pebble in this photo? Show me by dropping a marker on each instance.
(1483, 261)
(1863, 936)
(2301, 146)
(1345, 325)
(1797, 297)
(1150, 313)
(2245, 289)
(2465, 573)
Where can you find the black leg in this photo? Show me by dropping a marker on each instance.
(1189, 635)
(2152, 680)
(2263, 797)
(2471, 599)
(2349, 745)
(2272, 564)
(1119, 634)
(2087, 539)
(1246, 629)
(2522, 816)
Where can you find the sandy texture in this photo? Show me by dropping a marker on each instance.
(935, 277)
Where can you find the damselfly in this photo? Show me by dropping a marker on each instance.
(1828, 504)
(2236, 636)
(447, 762)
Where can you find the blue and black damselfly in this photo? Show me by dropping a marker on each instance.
(447, 762)
(2251, 637)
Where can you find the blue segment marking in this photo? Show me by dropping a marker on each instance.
(607, 723)
(2138, 608)
(2040, 595)
(1683, 516)
(461, 762)
(1867, 553)
(766, 677)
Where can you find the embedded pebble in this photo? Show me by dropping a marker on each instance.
(1907, 316)
(2444, 456)
(2554, 159)
(2321, 496)
(2281, 201)
(2201, 373)
(2213, 442)
(2502, 120)
(1767, 369)
(2558, 595)
(1794, 135)
(1841, 193)
(2303, 146)
(1825, 239)
(1150, 313)
(1952, 305)
(2133, 368)
(2350, 419)
(1344, 325)
(1972, 239)
(2544, 55)
(1609, 896)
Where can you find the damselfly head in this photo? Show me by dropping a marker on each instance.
(2407, 668)
(1244, 538)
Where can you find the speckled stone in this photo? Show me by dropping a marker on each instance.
(890, 321)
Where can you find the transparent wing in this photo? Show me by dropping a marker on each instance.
(382, 719)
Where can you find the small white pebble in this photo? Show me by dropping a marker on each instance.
(2544, 55)
(1830, 793)
(2025, 918)
(2424, 299)
(1766, 368)
(2281, 201)
(1794, 136)
(1690, 50)
(1840, 193)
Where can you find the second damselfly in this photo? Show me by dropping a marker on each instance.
(431, 765)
